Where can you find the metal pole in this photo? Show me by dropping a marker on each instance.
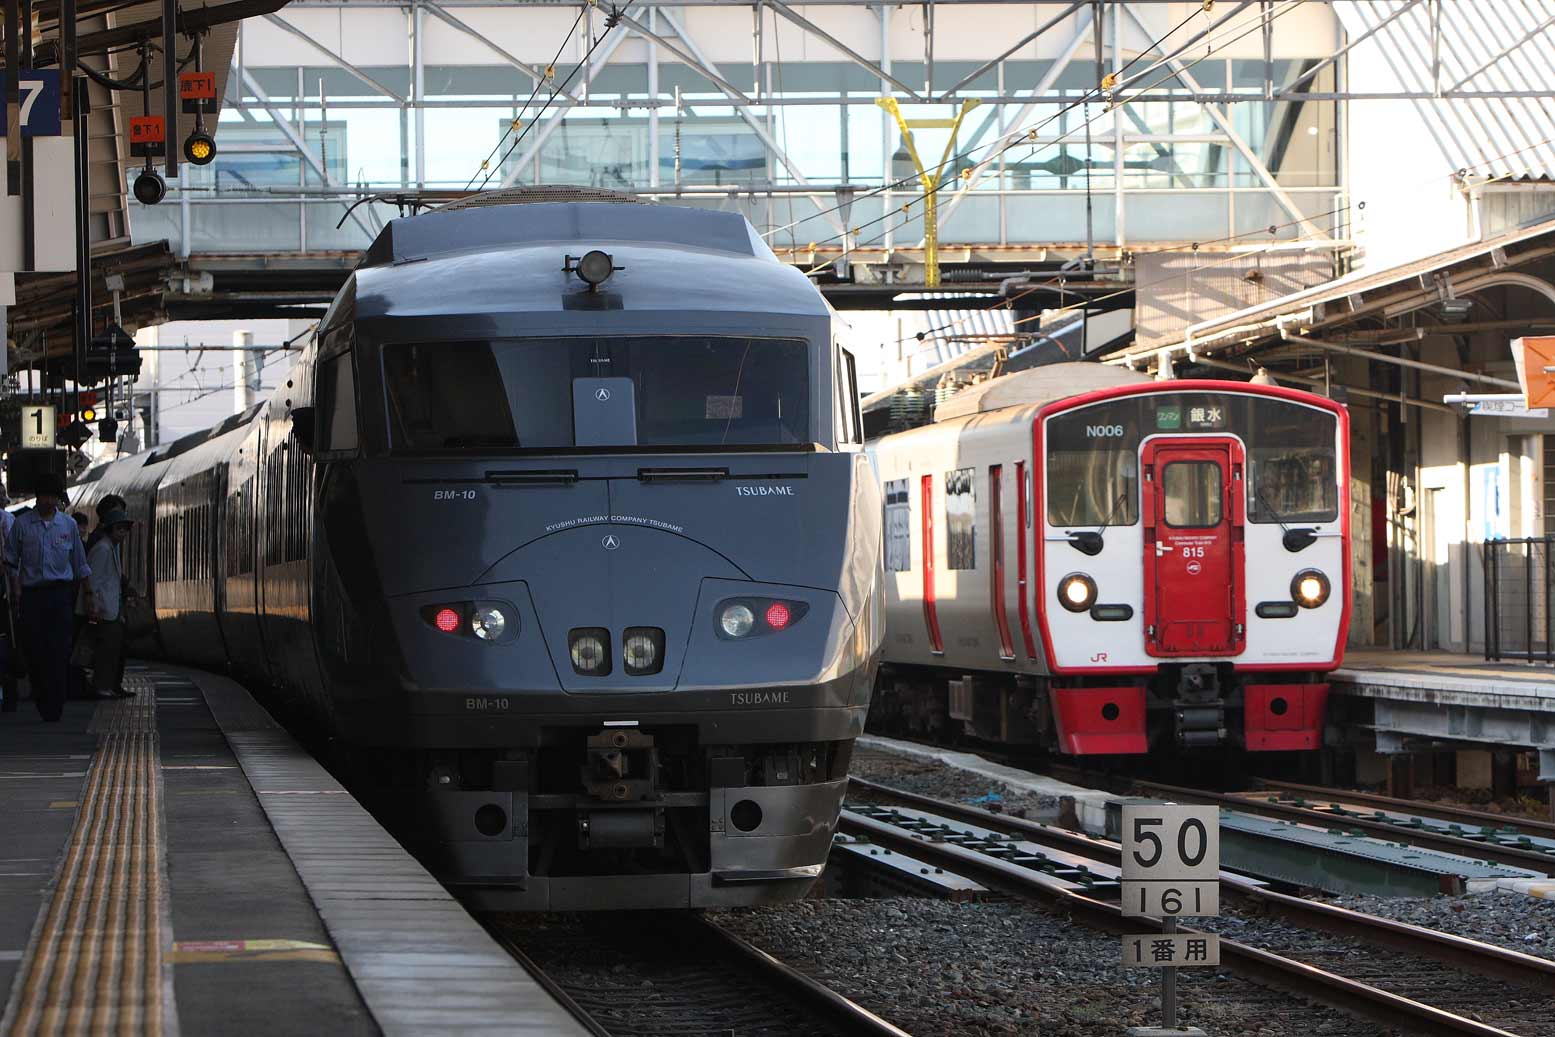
(169, 84)
(1169, 982)
(1549, 651)
(78, 110)
(13, 111)
(1528, 599)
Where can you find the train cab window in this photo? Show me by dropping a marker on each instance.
(517, 394)
(1193, 495)
(336, 396)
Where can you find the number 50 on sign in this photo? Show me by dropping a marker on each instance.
(1171, 860)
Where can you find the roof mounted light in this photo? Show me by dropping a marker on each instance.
(593, 268)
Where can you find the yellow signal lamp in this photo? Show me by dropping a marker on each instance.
(200, 148)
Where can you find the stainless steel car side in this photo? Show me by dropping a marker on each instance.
(560, 533)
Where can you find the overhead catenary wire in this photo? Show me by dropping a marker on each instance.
(611, 21)
(550, 73)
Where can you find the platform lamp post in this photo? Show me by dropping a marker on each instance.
(929, 178)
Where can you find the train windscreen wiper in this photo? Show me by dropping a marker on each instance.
(1298, 539)
(1090, 541)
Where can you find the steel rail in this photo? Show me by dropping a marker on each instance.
(1439, 811)
(852, 1017)
(1274, 969)
(555, 989)
(1486, 959)
(849, 1017)
(1511, 856)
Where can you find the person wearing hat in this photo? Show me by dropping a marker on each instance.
(45, 559)
(105, 601)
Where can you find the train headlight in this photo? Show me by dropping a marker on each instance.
(642, 650)
(590, 651)
(1077, 592)
(488, 622)
(1309, 588)
(737, 620)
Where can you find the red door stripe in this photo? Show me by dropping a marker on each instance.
(1020, 559)
(930, 615)
(996, 597)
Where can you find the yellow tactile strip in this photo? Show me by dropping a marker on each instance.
(96, 960)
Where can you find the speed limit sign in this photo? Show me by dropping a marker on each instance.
(1171, 860)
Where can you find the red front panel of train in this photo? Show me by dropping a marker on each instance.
(1194, 602)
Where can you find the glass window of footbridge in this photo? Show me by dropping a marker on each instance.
(516, 394)
(1093, 468)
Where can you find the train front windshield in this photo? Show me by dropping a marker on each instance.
(1093, 455)
(517, 394)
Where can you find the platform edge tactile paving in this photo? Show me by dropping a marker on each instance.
(385, 907)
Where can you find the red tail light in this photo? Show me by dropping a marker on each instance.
(446, 620)
(778, 615)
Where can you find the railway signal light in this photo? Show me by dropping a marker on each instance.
(200, 147)
(149, 187)
(110, 354)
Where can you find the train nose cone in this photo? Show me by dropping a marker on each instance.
(614, 577)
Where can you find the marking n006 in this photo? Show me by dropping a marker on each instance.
(1171, 860)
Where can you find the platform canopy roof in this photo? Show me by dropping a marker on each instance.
(1365, 297)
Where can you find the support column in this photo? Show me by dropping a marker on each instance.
(1401, 777)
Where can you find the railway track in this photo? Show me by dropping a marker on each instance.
(657, 975)
(1396, 973)
(1448, 813)
(1464, 843)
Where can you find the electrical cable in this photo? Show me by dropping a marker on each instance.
(611, 21)
(550, 71)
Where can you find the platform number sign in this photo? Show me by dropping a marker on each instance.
(38, 427)
(37, 104)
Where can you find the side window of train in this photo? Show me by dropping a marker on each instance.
(335, 398)
(849, 428)
(960, 519)
(898, 527)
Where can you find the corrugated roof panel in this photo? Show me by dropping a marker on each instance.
(1499, 45)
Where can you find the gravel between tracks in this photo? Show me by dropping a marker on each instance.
(931, 778)
(1007, 968)
(1512, 920)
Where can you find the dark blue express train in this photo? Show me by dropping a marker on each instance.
(561, 535)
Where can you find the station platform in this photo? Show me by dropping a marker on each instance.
(1457, 698)
(175, 862)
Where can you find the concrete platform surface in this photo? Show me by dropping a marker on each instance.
(176, 863)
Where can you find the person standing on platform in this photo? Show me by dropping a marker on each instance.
(46, 561)
(105, 600)
(8, 682)
(110, 503)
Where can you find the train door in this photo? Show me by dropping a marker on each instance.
(1193, 503)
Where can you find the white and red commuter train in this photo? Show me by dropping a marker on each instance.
(1088, 560)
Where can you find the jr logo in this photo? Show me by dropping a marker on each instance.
(1099, 657)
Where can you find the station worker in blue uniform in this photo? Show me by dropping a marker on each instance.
(46, 560)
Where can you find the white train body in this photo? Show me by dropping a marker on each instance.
(1082, 557)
